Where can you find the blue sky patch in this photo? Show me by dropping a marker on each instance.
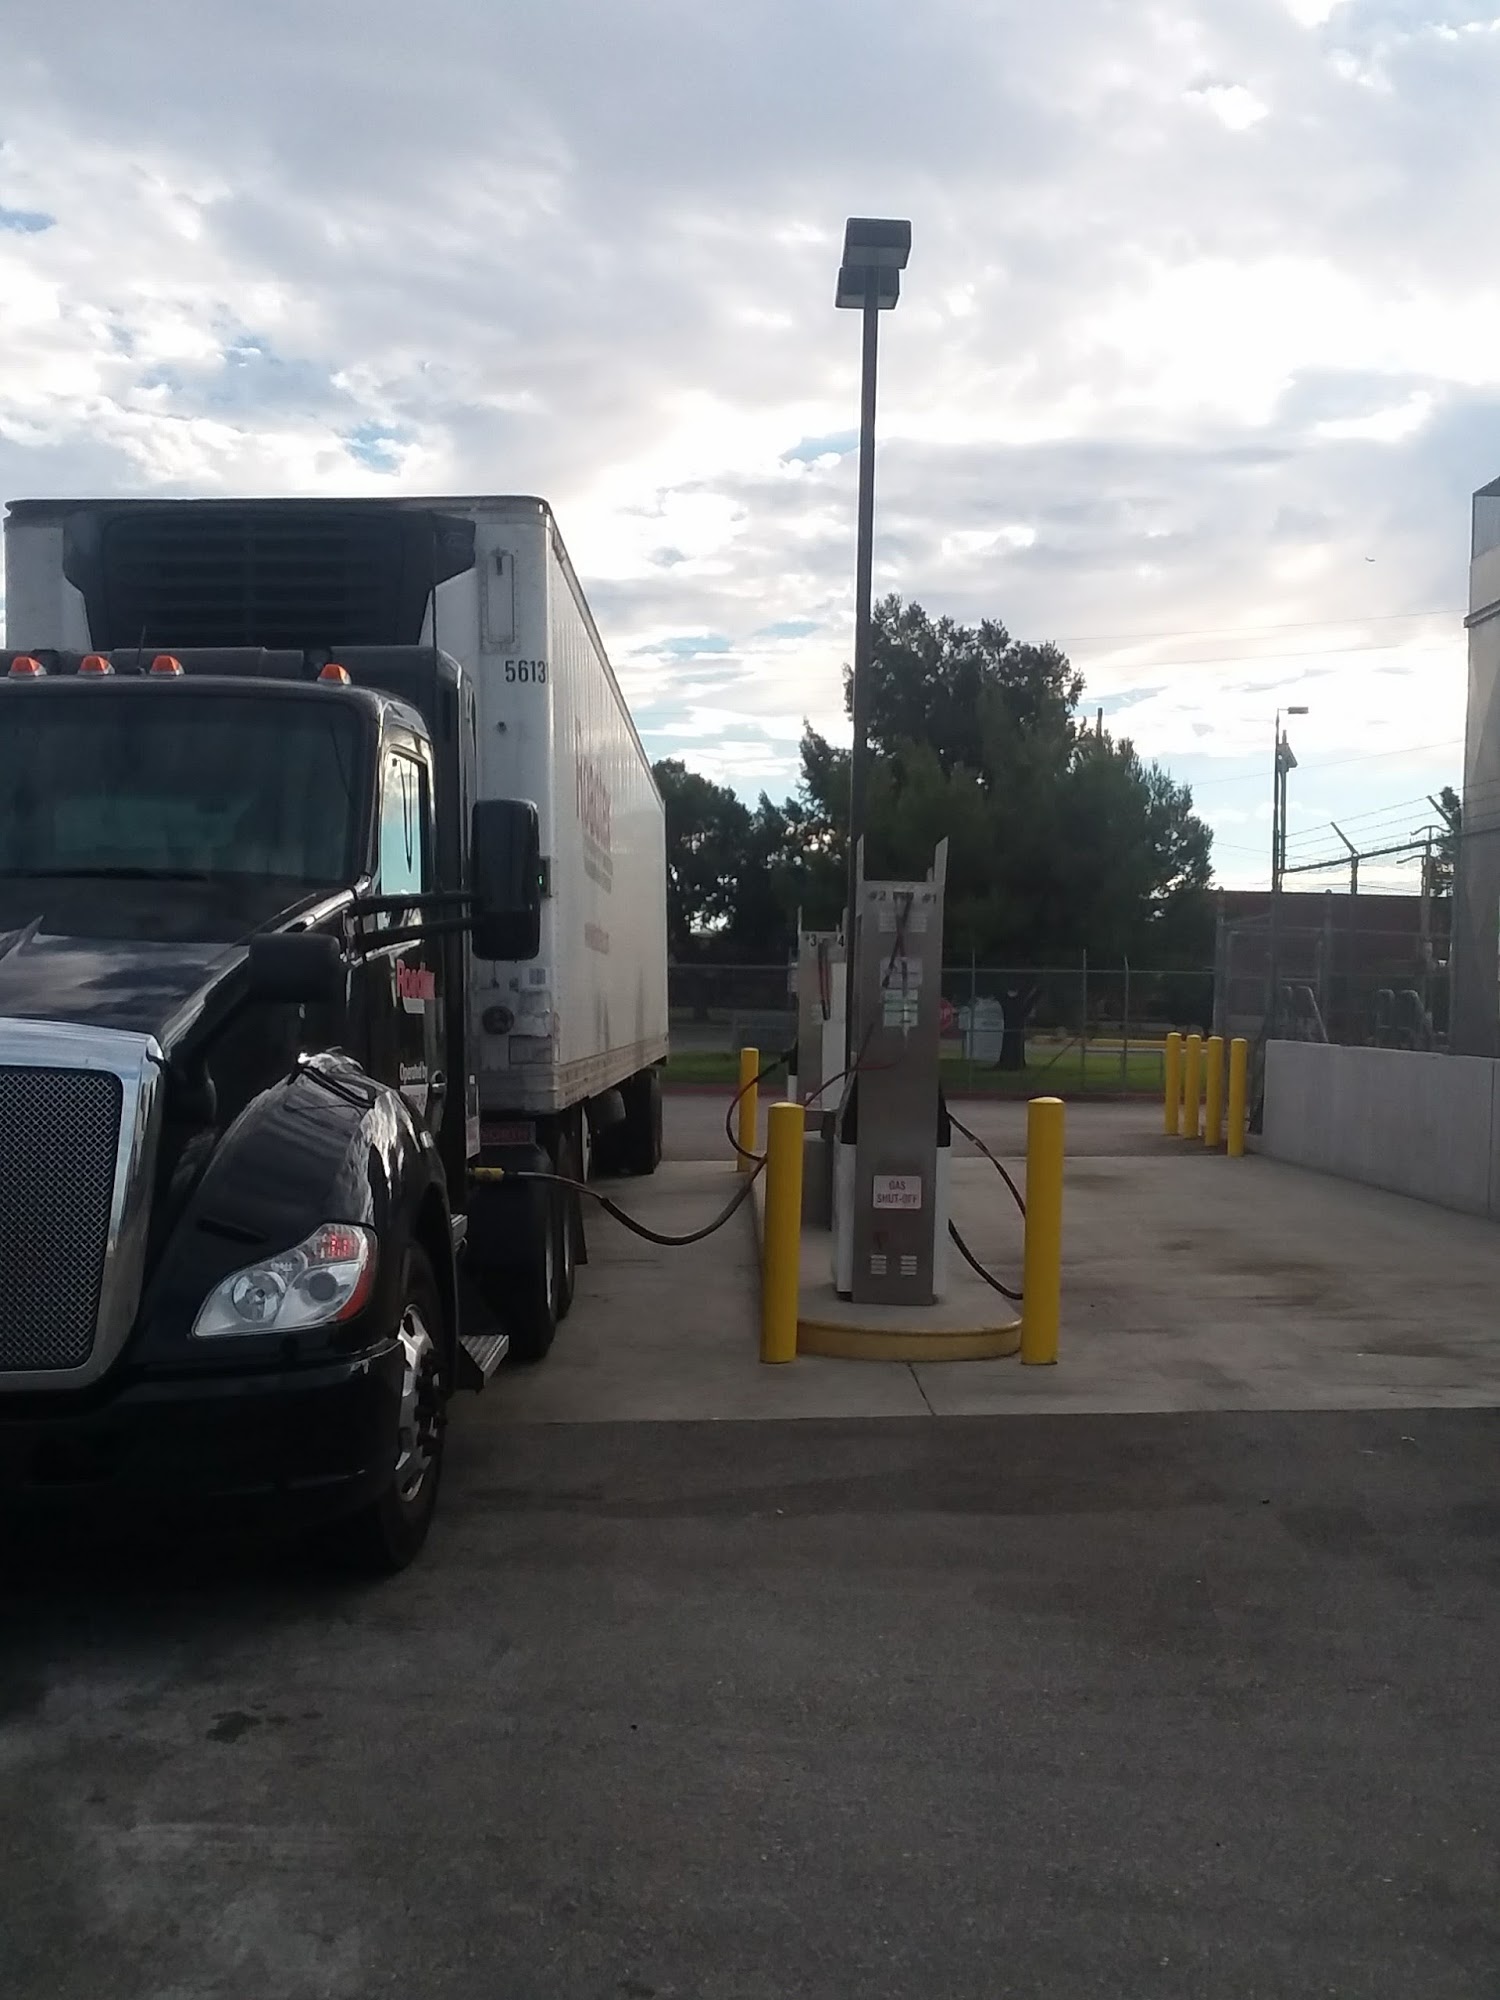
(26, 221)
(836, 445)
(691, 646)
(375, 447)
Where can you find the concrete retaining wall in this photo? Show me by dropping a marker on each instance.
(1423, 1125)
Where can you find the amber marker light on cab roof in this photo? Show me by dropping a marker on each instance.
(94, 663)
(334, 672)
(166, 663)
(26, 667)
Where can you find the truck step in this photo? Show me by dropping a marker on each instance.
(481, 1355)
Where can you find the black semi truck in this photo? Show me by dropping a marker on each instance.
(251, 1235)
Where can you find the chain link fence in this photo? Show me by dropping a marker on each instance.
(1103, 1026)
(1338, 982)
(1085, 1026)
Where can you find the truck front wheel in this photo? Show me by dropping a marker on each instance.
(531, 1300)
(385, 1536)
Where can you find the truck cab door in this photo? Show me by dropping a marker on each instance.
(406, 983)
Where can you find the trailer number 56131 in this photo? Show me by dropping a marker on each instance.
(532, 671)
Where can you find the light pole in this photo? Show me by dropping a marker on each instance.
(875, 254)
(1282, 762)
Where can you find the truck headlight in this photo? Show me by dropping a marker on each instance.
(327, 1277)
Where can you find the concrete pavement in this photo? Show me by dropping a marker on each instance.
(1190, 1282)
(661, 1335)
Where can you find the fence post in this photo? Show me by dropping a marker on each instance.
(1213, 1093)
(1172, 1104)
(1125, 1032)
(1239, 1067)
(749, 1111)
(1041, 1280)
(973, 1003)
(781, 1258)
(1083, 1026)
(1192, 1085)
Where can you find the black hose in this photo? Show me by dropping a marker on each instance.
(639, 1228)
(979, 1145)
(963, 1249)
(974, 1265)
(784, 1062)
(777, 1062)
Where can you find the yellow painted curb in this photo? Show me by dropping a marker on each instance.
(864, 1343)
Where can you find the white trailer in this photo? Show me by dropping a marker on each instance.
(589, 1014)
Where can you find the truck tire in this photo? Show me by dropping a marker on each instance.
(388, 1533)
(530, 1303)
(607, 1152)
(641, 1140)
(571, 1244)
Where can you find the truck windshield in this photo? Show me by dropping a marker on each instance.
(189, 787)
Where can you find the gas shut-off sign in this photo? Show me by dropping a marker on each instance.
(898, 1191)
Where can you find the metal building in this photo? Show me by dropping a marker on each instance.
(1475, 1026)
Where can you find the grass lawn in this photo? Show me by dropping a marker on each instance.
(1067, 1073)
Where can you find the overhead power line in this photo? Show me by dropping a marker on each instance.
(1373, 826)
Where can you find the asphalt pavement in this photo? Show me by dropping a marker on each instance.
(1183, 1706)
(1197, 1704)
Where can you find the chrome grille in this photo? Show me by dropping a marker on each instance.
(59, 1135)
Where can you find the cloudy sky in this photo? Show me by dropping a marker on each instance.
(1197, 364)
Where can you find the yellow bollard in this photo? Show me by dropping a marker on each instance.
(1239, 1069)
(1213, 1092)
(1041, 1282)
(781, 1260)
(1192, 1084)
(1172, 1102)
(748, 1122)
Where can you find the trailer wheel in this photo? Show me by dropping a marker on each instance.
(387, 1534)
(530, 1304)
(571, 1249)
(641, 1145)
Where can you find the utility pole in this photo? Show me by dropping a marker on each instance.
(1426, 900)
(859, 750)
(1272, 969)
(1353, 858)
(1282, 762)
(875, 254)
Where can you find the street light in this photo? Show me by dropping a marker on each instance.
(1283, 762)
(875, 254)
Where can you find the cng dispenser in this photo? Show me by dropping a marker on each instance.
(820, 1056)
(891, 1141)
(820, 1015)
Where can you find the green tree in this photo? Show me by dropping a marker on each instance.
(708, 847)
(1060, 837)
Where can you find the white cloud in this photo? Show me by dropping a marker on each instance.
(1386, 426)
(1235, 107)
(1147, 373)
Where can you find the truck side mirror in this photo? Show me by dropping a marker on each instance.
(297, 968)
(505, 876)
